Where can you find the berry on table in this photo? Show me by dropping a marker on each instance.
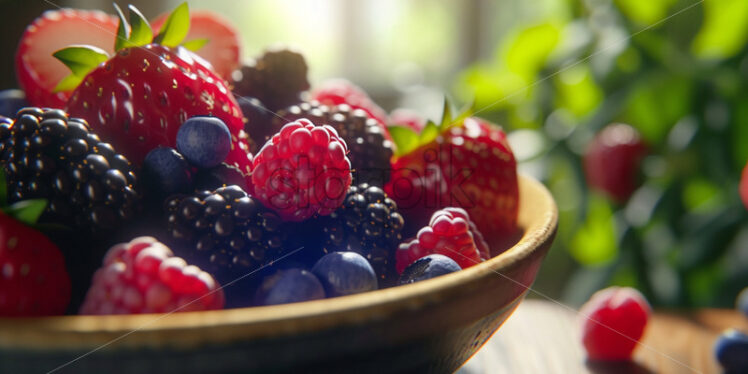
(450, 233)
(302, 171)
(11, 101)
(204, 141)
(345, 273)
(369, 224)
(33, 280)
(289, 286)
(37, 71)
(614, 322)
(166, 171)
(428, 267)
(369, 145)
(46, 154)
(731, 351)
(612, 160)
(144, 276)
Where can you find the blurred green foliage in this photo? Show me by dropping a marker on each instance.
(677, 71)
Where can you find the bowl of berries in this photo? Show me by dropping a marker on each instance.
(166, 207)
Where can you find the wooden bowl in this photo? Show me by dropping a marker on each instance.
(430, 326)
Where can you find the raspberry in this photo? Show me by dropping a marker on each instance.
(302, 171)
(615, 319)
(370, 149)
(277, 78)
(451, 233)
(143, 276)
(369, 224)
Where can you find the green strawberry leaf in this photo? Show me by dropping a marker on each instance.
(3, 189)
(68, 83)
(141, 33)
(27, 211)
(175, 28)
(406, 140)
(81, 59)
(123, 30)
(194, 45)
(446, 115)
(429, 133)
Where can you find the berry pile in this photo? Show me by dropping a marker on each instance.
(183, 195)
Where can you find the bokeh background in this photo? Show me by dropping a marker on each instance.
(553, 73)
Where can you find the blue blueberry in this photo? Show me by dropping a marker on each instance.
(428, 267)
(742, 302)
(345, 273)
(167, 171)
(290, 286)
(11, 101)
(731, 350)
(204, 141)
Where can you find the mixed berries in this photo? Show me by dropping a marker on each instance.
(184, 180)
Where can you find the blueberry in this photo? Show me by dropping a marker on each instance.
(290, 286)
(428, 267)
(167, 171)
(204, 141)
(731, 350)
(11, 101)
(742, 302)
(345, 273)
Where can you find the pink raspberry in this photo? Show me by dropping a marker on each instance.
(144, 276)
(302, 171)
(450, 233)
(614, 322)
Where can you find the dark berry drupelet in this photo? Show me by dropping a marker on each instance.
(367, 223)
(227, 233)
(277, 78)
(369, 149)
(46, 154)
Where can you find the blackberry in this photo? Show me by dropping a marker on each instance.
(368, 223)
(369, 149)
(46, 154)
(227, 233)
(277, 78)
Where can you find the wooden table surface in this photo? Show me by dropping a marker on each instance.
(543, 337)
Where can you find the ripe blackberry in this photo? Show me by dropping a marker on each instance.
(370, 149)
(277, 78)
(226, 232)
(46, 154)
(367, 223)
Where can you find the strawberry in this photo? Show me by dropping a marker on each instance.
(223, 48)
(33, 280)
(151, 85)
(463, 162)
(612, 160)
(37, 71)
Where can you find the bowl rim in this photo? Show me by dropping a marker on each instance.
(539, 227)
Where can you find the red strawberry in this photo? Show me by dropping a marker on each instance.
(223, 48)
(450, 233)
(612, 160)
(144, 276)
(150, 90)
(341, 91)
(302, 171)
(467, 163)
(614, 322)
(37, 71)
(33, 280)
(743, 188)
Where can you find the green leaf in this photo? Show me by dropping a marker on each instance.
(429, 133)
(175, 28)
(123, 30)
(406, 140)
(141, 33)
(725, 29)
(645, 12)
(68, 83)
(27, 211)
(194, 45)
(595, 242)
(531, 48)
(446, 115)
(81, 59)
